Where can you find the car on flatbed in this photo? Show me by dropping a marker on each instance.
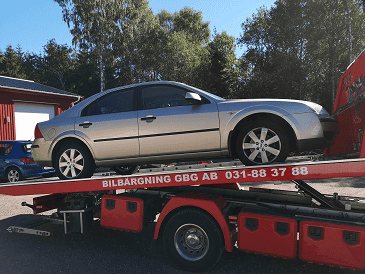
(161, 122)
(16, 162)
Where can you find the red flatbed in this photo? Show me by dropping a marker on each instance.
(201, 176)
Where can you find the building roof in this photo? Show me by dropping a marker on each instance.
(27, 85)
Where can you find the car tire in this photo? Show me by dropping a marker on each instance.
(193, 240)
(13, 174)
(262, 142)
(125, 169)
(74, 161)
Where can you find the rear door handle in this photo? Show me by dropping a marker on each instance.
(148, 118)
(85, 124)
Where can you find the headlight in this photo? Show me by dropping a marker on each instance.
(319, 110)
(323, 113)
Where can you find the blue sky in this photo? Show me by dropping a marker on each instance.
(32, 23)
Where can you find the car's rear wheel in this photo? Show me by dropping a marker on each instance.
(262, 142)
(125, 169)
(73, 161)
(13, 174)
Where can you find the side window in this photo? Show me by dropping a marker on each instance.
(5, 149)
(163, 96)
(115, 102)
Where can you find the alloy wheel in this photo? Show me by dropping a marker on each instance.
(261, 145)
(71, 163)
(13, 175)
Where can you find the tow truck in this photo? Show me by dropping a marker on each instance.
(201, 211)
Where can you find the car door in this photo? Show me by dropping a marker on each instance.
(110, 125)
(168, 124)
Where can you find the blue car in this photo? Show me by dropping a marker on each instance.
(16, 162)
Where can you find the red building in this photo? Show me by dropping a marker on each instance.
(24, 103)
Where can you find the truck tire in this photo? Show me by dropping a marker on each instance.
(262, 142)
(193, 240)
(73, 161)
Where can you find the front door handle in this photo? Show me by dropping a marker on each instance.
(148, 118)
(85, 124)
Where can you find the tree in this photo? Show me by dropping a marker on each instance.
(275, 52)
(113, 28)
(12, 63)
(57, 63)
(94, 23)
(224, 74)
(297, 49)
(182, 47)
(85, 78)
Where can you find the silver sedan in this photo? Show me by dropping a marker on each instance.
(161, 122)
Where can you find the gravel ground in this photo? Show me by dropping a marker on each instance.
(108, 251)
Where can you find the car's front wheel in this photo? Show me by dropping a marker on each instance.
(13, 174)
(262, 142)
(73, 161)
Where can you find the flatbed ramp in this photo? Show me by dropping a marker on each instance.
(172, 177)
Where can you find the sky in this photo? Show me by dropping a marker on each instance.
(31, 24)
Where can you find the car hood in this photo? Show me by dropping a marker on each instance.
(290, 106)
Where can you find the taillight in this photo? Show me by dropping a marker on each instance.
(37, 133)
(27, 160)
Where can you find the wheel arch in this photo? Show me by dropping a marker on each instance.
(67, 140)
(232, 138)
(13, 166)
(177, 204)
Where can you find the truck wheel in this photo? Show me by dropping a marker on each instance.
(73, 161)
(262, 142)
(125, 169)
(193, 240)
(13, 174)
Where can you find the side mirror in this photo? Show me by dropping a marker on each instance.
(192, 97)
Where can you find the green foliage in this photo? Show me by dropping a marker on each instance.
(122, 42)
(223, 73)
(12, 63)
(57, 64)
(298, 49)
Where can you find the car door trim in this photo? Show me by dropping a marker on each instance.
(158, 135)
(180, 132)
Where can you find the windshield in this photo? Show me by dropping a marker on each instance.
(210, 94)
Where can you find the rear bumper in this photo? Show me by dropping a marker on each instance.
(30, 171)
(40, 152)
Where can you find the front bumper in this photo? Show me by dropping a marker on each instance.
(330, 129)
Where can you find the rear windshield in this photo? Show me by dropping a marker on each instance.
(5, 149)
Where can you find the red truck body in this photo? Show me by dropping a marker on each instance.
(349, 108)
